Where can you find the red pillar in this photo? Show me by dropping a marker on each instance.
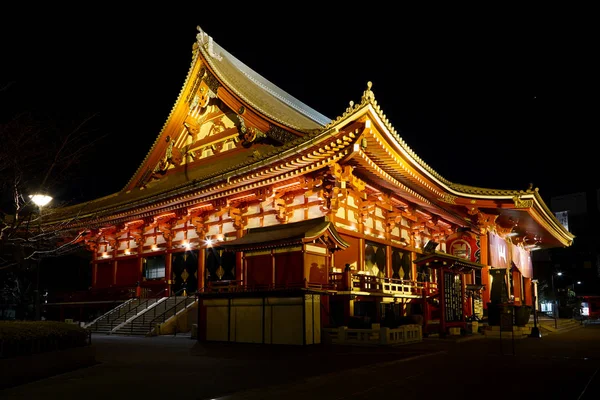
(114, 280)
(201, 268)
(168, 272)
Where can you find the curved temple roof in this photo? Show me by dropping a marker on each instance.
(286, 235)
(267, 98)
(388, 149)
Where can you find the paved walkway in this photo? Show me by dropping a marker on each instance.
(178, 367)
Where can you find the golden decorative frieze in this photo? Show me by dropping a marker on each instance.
(212, 82)
(166, 230)
(191, 125)
(120, 230)
(382, 200)
(262, 193)
(313, 185)
(250, 134)
(198, 221)
(237, 217)
(392, 220)
(192, 95)
(367, 208)
(472, 210)
(345, 176)
(280, 134)
(448, 198)
(503, 231)
(280, 205)
(486, 222)
(203, 95)
(137, 235)
(520, 203)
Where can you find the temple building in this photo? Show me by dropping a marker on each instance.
(281, 221)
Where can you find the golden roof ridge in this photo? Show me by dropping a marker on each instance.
(212, 51)
(368, 98)
(467, 189)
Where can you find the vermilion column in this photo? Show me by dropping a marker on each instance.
(485, 274)
(201, 268)
(168, 271)
(114, 280)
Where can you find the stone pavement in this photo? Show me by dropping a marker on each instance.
(564, 365)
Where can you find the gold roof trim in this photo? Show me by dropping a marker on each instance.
(368, 98)
(490, 192)
(269, 100)
(408, 193)
(549, 220)
(325, 151)
(157, 140)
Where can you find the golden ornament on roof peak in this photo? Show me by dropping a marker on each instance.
(368, 96)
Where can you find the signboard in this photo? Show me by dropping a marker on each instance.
(522, 259)
(464, 246)
(499, 255)
(563, 218)
(453, 297)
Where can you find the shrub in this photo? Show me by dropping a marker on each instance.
(28, 337)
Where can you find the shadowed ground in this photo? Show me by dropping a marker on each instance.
(556, 366)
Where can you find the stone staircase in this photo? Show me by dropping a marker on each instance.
(545, 324)
(560, 326)
(144, 322)
(118, 315)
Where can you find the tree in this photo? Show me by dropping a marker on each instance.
(39, 151)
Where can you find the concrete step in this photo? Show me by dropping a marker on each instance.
(559, 326)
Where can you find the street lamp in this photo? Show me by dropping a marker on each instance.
(40, 200)
(555, 301)
(535, 331)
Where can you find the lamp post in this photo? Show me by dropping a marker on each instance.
(555, 301)
(40, 200)
(535, 331)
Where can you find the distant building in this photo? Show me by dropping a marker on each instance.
(578, 264)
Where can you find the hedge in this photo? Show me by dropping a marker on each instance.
(19, 338)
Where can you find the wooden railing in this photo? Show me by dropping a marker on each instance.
(238, 286)
(376, 336)
(337, 281)
(374, 284)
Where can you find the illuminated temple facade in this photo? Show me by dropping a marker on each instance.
(274, 214)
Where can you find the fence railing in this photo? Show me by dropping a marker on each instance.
(175, 309)
(376, 336)
(239, 286)
(337, 281)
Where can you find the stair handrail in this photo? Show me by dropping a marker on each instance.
(152, 309)
(108, 313)
(139, 314)
(174, 308)
(142, 315)
(135, 311)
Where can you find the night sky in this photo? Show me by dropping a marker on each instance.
(497, 100)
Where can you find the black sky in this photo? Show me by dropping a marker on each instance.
(486, 98)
